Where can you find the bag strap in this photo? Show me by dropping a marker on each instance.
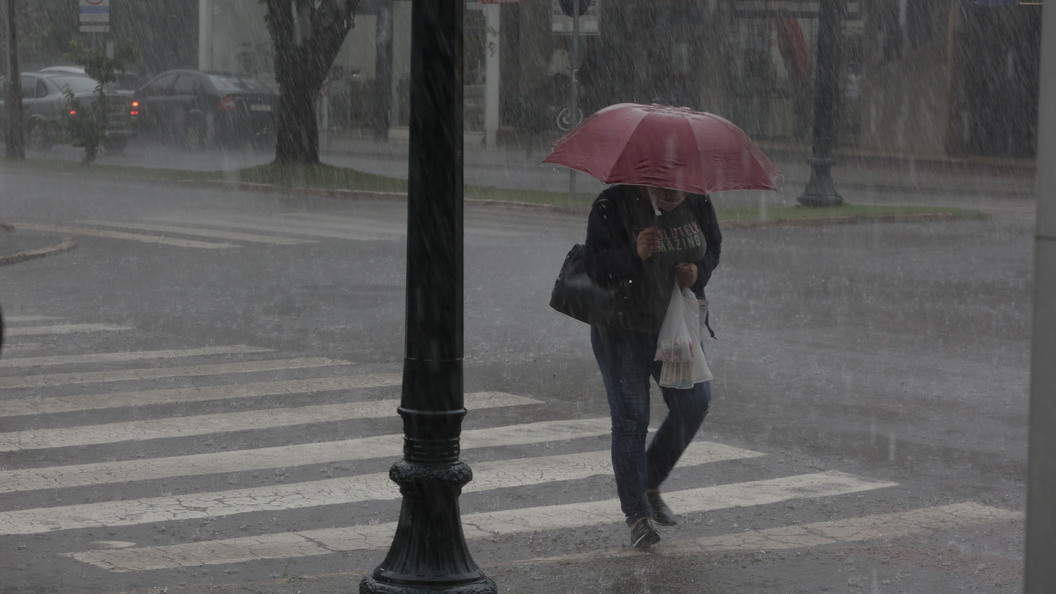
(708, 325)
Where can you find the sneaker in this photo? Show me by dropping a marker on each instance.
(660, 512)
(643, 535)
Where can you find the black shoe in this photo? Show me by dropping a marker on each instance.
(661, 513)
(643, 535)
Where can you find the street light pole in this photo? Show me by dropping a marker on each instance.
(573, 88)
(820, 190)
(429, 552)
(16, 142)
(1040, 573)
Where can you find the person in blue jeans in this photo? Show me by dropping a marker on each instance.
(642, 240)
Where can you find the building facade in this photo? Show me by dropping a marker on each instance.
(920, 77)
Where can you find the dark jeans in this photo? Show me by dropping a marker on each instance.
(626, 362)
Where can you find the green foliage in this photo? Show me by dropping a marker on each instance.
(44, 30)
(100, 66)
(166, 31)
(87, 125)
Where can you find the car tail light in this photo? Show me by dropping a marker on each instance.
(73, 112)
(227, 104)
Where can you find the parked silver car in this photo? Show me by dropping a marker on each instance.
(126, 82)
(45, 107)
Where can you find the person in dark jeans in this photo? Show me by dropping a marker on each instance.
(643, 240)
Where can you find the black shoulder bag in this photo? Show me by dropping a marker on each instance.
(576, 295)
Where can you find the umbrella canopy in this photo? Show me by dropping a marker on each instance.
(666, 147)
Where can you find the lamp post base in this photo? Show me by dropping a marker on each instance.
(429, 553)
(820, 191)
(484, 585)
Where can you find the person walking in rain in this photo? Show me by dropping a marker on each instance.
(643, 240)
(646, 239)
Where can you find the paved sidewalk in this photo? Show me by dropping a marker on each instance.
(517, 164)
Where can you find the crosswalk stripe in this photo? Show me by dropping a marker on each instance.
(351, 223)
(487, 476)
(330, 221)
(158, 239)
(357, 229)
(61, 329)
(487, 525)
(292, 228)
(150, 373)
(519, 218)
(224, 422)
(365, 225)
(120, 357)
(490, 232)
(200, 232)
(859, 529)
(381, 446)
(23, 319)
(82, 402)
(846, 531)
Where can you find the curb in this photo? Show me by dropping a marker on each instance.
(276, 189)
(924, 217)
(352, 194)
(66, 245)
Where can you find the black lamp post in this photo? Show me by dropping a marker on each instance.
(428, 552)
(820, 190)
(16, 142)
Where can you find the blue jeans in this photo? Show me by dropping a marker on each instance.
(626, 362)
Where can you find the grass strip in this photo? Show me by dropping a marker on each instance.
(340, 179)
(748, 216)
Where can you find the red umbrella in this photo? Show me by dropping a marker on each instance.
(666, 147)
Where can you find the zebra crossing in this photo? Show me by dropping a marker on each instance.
(145, 387)
(234, 231)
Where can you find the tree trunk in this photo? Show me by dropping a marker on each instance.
(14, 132)
(382, 70)
(297, 139)
(307, 37)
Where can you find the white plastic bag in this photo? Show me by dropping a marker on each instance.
(676, 335)
(684, 362)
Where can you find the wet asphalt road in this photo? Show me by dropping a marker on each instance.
(895, 352)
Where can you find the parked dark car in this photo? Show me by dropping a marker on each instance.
(197, 109)
(45, 107)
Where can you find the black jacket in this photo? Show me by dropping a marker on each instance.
(611, 255)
